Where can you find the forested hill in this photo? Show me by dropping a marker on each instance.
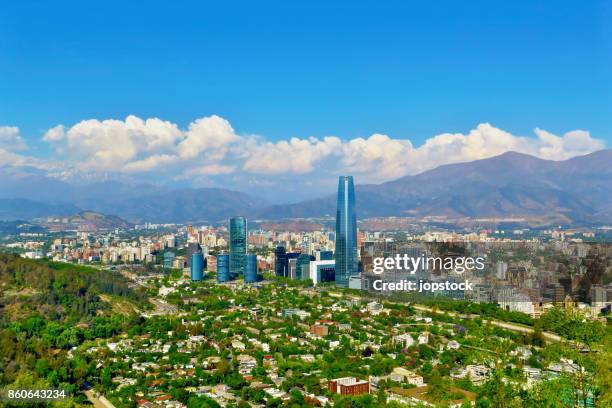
(46, 309)
(59, 292)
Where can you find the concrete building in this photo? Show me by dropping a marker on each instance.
(349, 386)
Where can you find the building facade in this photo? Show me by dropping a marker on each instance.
(197, 266)
(237, 245)
(280, 257)
(346, 232)
(250, 270)
(349, 386)
(223, 268)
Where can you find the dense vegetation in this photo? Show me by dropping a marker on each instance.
(46, 309)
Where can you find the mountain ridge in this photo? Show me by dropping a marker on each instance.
(578, 189)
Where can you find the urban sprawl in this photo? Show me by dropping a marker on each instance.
(236, 316)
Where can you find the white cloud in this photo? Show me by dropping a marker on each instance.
(150, 163)
(210, 170)
(574, 143)
(10, 139)
(210, 148)
(55, 134)
(112, 145)
(212, 135)
(379, 156)
(293, 156)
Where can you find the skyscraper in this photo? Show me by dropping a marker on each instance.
(223, 271)
(346, 232)
(197, 266)
(302, 267)
(237, 245)
(250, 272)
(190, 249)
(280, 258)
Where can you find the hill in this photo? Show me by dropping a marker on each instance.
(24, 209)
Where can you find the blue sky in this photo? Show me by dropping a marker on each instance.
(410, 70)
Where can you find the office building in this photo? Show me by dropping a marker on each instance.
(250, 270)
(197, 266)
(283, 266)
(321, 271)
(346, 232)
(191, 248)
(323, 255)
(302, 267)
(280, 257)
(237, 245)
(168, 259)
(223, 268)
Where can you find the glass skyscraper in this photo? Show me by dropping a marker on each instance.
(346, 232)
(280, 259)
(197, 266)
(237, 245)
(223, 272)
(250, 273)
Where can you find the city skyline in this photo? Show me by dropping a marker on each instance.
(306, 204)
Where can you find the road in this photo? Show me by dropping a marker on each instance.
(552, 337)
(98, 402)
(162, 308)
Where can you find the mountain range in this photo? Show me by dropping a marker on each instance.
(577, 190)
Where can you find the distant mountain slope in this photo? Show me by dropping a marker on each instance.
(188, 205)
(135, 202)
(22, 209)
(512, 184)
(84, 219)
(509, 185)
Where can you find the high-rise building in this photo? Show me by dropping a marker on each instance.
(346, 232)
(223, 268)
(237, 245)
(302, 267)
(250, 270)
(291, 267)
(280, 258)
(323, 255)
(168, 259)
(197, 266)
(191, 248)
(306, 244)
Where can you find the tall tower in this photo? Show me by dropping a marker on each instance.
(280, 259)
(223, 271)
(346, 232)
(197, 266)
(250, 272)
(237, 245)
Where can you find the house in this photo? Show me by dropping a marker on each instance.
(319, 330)
(238, 345)
(477, 374)
(400, 374)
(453, 345)
(404, 339)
